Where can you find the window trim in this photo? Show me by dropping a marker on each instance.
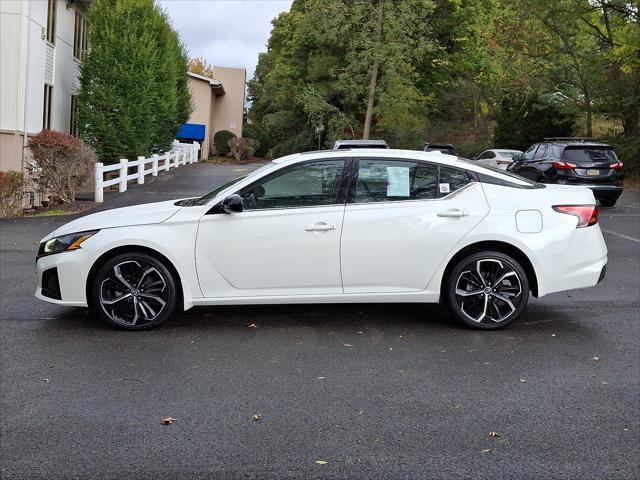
(80, 42)
(340, 197)
(353, 183)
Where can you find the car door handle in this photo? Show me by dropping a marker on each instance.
(453, 213)
(319, 227)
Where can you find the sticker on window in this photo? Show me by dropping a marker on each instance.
(397, 181)
(444, 188)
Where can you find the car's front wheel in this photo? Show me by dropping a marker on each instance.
(487, 290)
(134, 291)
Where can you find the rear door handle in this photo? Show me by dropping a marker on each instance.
(453, 213)
(319, 227)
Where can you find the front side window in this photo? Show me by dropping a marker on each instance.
(307, 185)
(528, 154)
(487, 155)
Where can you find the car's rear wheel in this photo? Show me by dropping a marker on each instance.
(134, 291)
(487, 290)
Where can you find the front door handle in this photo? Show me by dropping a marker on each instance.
(453, 213)
(319, 227)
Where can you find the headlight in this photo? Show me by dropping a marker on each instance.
(64, 243)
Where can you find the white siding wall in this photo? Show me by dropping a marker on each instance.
(16, 68)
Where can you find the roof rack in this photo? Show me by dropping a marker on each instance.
(570, 139)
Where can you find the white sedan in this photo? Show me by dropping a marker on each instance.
(497, 158)
(364, 225)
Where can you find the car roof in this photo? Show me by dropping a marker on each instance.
(436, 157)
(575, 142)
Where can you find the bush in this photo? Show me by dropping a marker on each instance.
(10, 193)
(62, 162)
(221, 142)
(242, 148)
(256, 132)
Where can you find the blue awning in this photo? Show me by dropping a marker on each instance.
(191, 131)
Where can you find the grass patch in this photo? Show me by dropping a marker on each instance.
(51, 213)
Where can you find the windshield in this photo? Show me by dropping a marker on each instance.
(203, 200)
(508, 154)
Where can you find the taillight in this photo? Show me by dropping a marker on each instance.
(587, 214)
(564, 165)
(617, 166)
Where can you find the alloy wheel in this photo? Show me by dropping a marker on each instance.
(488, 291)
(134, 293)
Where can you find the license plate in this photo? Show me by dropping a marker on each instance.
(593, 172)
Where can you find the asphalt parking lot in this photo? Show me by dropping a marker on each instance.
(341, 391)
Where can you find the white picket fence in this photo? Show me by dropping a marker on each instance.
(180, 154)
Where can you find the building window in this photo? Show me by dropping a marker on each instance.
(80, 37)
(46, 111)
(51, 21)
(73, 124)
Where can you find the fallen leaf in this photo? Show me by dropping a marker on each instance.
(553, 334)
(487, 450)
(321, 378)
(605, 383)
(256, 418)
(523, 380)
(390, 349)
(596, 358)
(167, 420)
(321, 462)
(494, 434)
(252, 325)
(360, 332)
(348, 345)
(46, 379)
(487, 363)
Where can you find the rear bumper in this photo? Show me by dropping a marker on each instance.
(581, 265)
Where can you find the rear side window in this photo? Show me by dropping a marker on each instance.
(589, 154)
(395, 180)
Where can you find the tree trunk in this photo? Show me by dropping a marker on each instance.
(374, 75)
(589, 112)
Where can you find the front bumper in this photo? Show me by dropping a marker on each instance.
(62, 278)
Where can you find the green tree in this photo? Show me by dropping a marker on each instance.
(524, 120)
(133, 94)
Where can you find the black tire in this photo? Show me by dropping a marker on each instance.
(608, 202)
(134, 291)
(497, 305)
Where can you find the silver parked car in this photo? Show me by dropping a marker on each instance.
(497, 158)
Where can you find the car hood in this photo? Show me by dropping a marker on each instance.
(144, 214)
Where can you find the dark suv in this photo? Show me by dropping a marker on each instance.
(572, 161)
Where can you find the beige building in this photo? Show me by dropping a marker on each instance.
(218, 104)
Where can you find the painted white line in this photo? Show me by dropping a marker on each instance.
(626, 237)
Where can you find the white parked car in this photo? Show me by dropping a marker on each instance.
(497, 158)
(334, 227)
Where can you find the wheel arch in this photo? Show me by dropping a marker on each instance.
(498, 246)
(133, 249)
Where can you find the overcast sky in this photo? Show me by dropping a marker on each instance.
(225, 32)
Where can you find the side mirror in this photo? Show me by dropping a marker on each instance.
(233, 204)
